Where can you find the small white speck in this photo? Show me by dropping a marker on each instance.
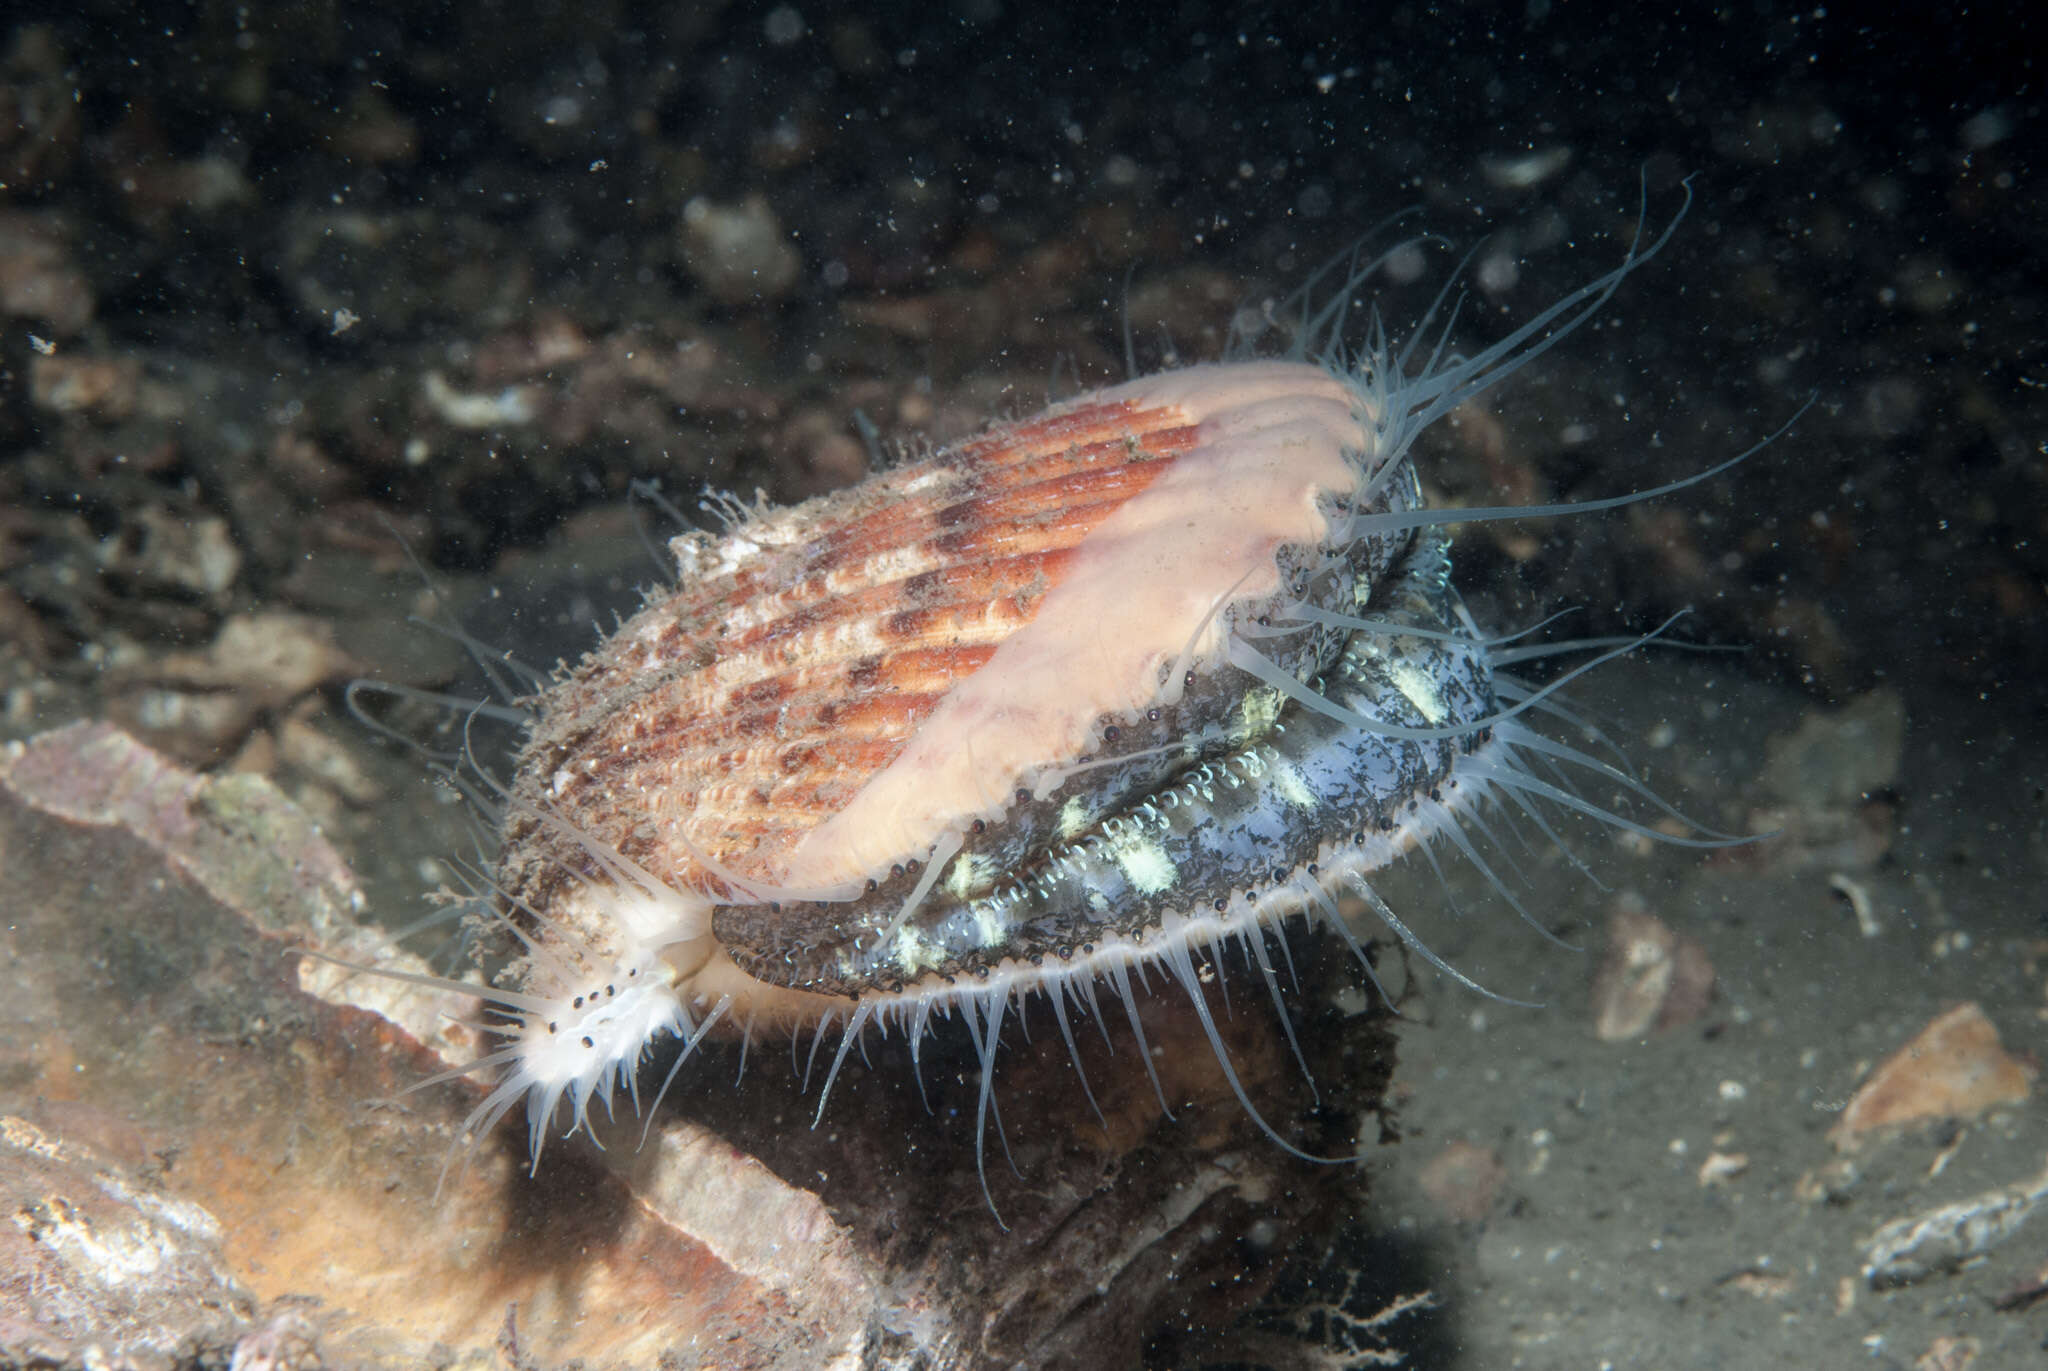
(1529, 169)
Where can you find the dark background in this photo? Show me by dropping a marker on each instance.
(978, 198)
(1867, 229)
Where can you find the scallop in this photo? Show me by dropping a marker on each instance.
(1107, 688)
(913, 694)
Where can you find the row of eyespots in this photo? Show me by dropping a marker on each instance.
(591, 999)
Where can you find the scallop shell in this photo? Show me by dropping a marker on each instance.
(908, 693)
(1095, 697)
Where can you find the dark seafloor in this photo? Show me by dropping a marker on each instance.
(288, 289)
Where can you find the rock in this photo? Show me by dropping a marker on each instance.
(155, 1003)
(819, 452)
(1954, 1068)
(1465, 1180)
(373, 277)
(1945, 1237)
(311, 751)
(40, 118)
(103, 389)
(99, 1261)
(193, 554)
(738, 254)
(371, 131)
(202, 705)
(1826, 789)
(1837, 759)
(1650, 978)
(38, 280)
(1950, 1353)
(274, 655)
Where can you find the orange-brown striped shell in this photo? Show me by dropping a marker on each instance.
(833, 692)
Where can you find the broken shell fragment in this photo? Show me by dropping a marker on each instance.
(1954, 1068)
(1650, 978)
